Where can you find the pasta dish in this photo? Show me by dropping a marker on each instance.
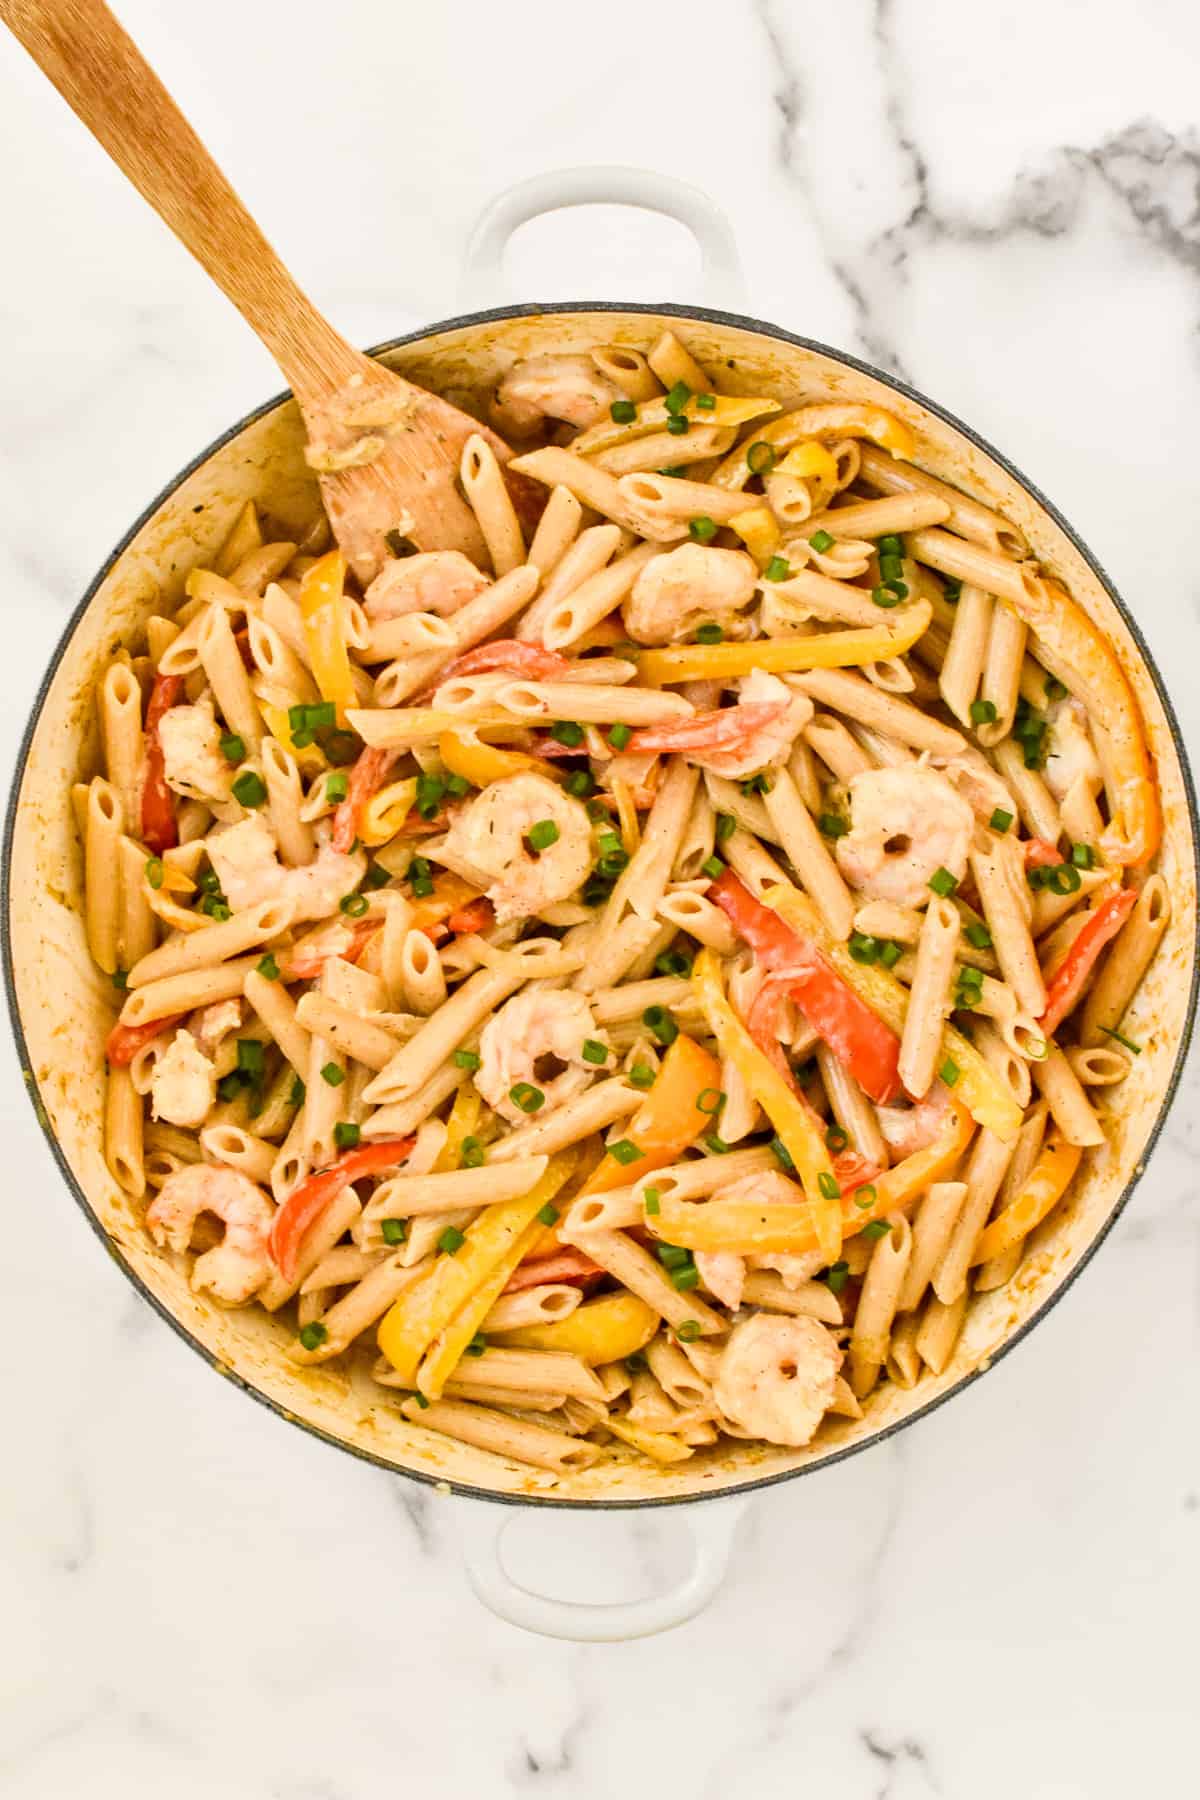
(637, 993)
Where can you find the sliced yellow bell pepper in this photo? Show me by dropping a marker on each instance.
(310, 758)
(385, 812)
(659, 1446)
(668, 1120)
(481, 764)
(600, 1331)
(896, 633)
(1043, 1188)
(798, 1127)
(494, 1242)
(631, 837)
(807, 460)
(978, 1086)
(322, 613)
(758, 529)
(462, 1122)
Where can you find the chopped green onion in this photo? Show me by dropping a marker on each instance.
(457, 786)
(651, 1201)
(477, 1345)
(623, 412)
(782, 1153)
(717, 1145)
(398, 544)
(898, 588)
(549, 1214)
(891, 953)
(120, 979)
(685, 1278)
(376, 876)
(335, 788)
(250, 1058)
(619, 736)
(943, 883)
(709, 633)
(710, 1101)
(836, 1276)
(890, 545)
(1065, 879)
(706, 402)
(678, 397)
(466, 1059)
(625, 1151)
(821, 541)
(320, 715)
(673, 1256)
(1083, 856)
(756, 784)
(674, 469)
(346, 1134)
(661, 1024)
(296, 1092)
(677, 425)
(1000, 820)
(891, 568)
(761, 458)
(530, 1099)
(863, 948)
(1126, 1043)
(353, 905)
(340, 747)
(249, 789)
(641, 1075)
(884, 597)
(268, 968)
(430, 790)
(543, 834)
(949, 1072)
(420, 1399)
(673, 962)
(566, 731)
(828, 1186)
(835, 1139)
(952, 589)
(594, 1051)
(612, 864)
(233, 748)
(471, 1154)
(334, 1075)
(1055, 689)
(230, 1086)
(209, 882)
(394, 1231)
(864, 1196)
(217, 907)
(420, 878)
(579, 783)
(155, 871)
(712, 866)
(726, 826)
(983, 712)
(830, 825)
(312, 1336)
(979, 935)
(876, 1228)
(778, 569)
(687, 1331)
(702, 529)
(451, 1240)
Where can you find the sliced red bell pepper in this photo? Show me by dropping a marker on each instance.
(366, 778)
(306, 1203)
(859, 1039)
(1100, 929)
(510, 654)
(124, 1041)
(563, 1265)
(477, 915)
(159, 830)
(1040, 853)
(729, 729)
(345, 941)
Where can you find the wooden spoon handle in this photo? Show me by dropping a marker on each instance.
(105, 80)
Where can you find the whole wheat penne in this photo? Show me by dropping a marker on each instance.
(968, 518)
(256, 924)
(556, 531)
(484, 487)
(532, 1306)
(1126, 962)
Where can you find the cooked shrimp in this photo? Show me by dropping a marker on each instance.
(183, 1086)
(536, 1039)
(981, 786)
(905, 824)
(737, 740)
(686, 587)
(492, 836)
(248, 869)
(191, 745)
(1070, 756)
(776, 1377)
(907, 1129)
(570, 388)
(722, 1272)
(436, 581)
(237, 1267)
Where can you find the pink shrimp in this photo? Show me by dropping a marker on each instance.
(237, 1267)
(738, 740)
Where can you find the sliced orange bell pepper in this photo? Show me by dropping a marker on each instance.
(1043, 1188)
(669, 1118)
(321, 611)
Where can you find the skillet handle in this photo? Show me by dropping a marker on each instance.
(712, 1529)
(721, 279)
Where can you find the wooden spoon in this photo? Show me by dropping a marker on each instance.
(387, 451)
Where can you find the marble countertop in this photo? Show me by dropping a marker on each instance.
(1002, 205)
